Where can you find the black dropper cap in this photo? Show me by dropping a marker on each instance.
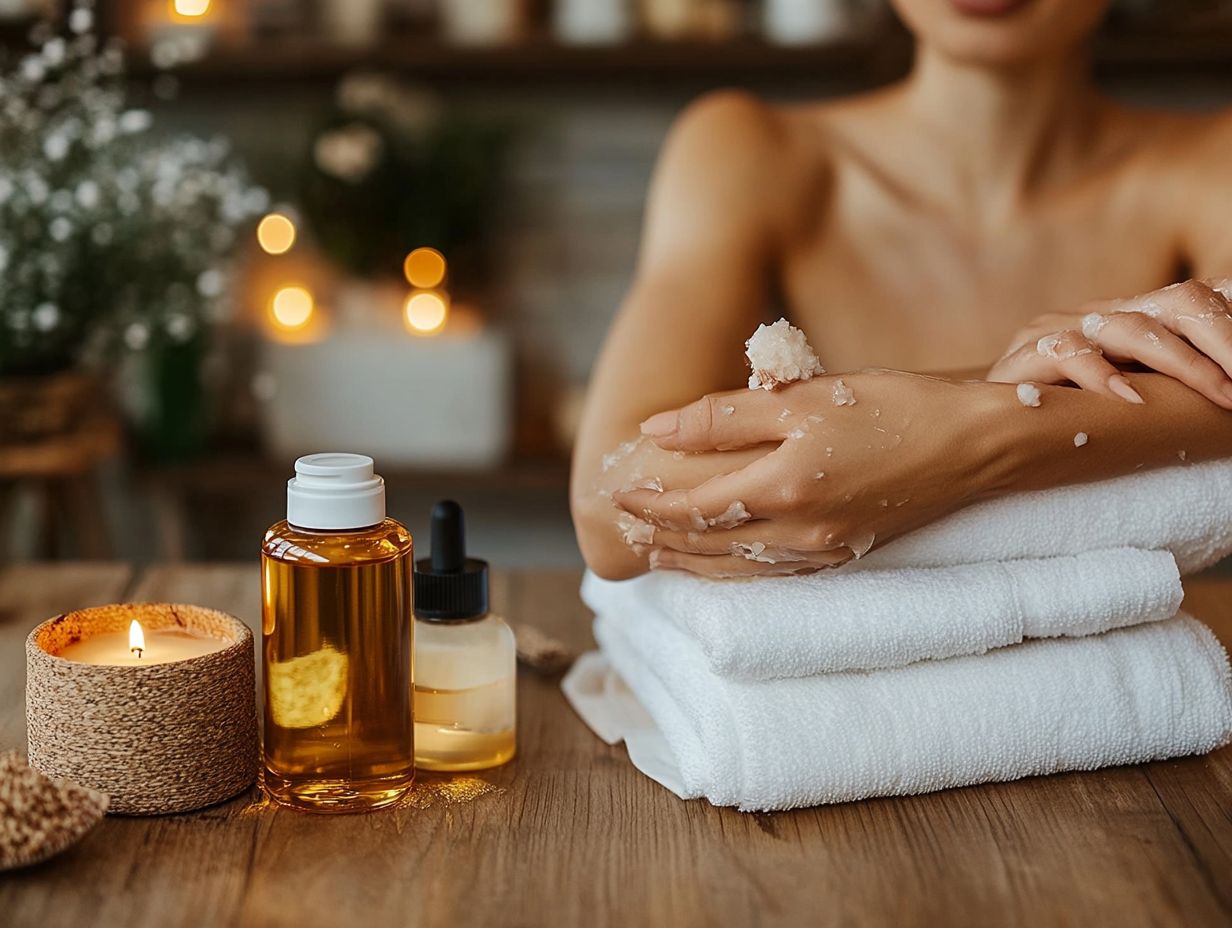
(449, 586)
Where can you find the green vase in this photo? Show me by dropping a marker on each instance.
(168, 403)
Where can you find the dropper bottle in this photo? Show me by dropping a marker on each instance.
(465, 658)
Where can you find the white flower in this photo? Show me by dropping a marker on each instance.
(136, 336)
(33, 69)
(87, 194)
(180, 327)
(46, 316)
(60, 229)
(55, 147)
(210, 283)
(133, 121)
(36, 189)
(53, 52)
(80, 20)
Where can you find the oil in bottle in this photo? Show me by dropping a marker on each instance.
(337, 637)
(465, 658)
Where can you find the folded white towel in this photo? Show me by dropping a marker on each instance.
(765, 629)
(1127, 696)
(1186, 510)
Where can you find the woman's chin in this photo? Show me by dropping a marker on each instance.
(1000, 33)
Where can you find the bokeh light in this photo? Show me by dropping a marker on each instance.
(425, 268)
(426, 312)
(276, 233)
(292, 307)
(191, 8)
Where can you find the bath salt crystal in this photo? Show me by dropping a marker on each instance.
(733, 515)
(1080, 439)
(1028, 394)
(635, 531)
(843, 394)
(780, 354)
(1092, 323)
(1046, 347)
(612, 458)
(727, 410)
(1182, 455)
(796, 433)
(1153, 339)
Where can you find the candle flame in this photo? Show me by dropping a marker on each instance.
(136, 639)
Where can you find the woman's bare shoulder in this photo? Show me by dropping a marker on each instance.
(1182, 141)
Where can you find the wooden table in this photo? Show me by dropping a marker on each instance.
(578, 837)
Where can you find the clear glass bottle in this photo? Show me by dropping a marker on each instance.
(337, 637)
(465, 658)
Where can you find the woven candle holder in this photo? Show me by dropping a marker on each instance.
(157, 739)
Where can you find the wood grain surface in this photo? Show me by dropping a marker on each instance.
(575, 836)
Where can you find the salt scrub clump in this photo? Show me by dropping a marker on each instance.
(733, 515)
(40, 816)
(780, 354)
(1028, 394)
(843, 394)
(1080, 439)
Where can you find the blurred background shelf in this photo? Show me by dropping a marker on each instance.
(747, 61)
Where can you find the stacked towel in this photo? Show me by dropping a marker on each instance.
(902, 676)
(827, 622)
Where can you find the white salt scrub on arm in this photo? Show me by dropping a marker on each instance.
(780, 354)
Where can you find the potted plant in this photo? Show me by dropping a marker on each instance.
(113, 243)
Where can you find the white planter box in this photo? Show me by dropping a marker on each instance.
(443, 402)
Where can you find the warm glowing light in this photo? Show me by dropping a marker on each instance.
(136, 639)
(425, 268)
(276, 234)
(425, 312)
(292, 307)
(191, 8)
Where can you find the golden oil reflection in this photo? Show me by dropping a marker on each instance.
(429, 791)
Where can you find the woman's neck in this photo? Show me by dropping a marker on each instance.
(1003, 133)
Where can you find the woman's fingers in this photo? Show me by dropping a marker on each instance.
(727, 567)
(1137, 337)
(721, 502)
(1066, 356)
(720, 422)
(777, 541)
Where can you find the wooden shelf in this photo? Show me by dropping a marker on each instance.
(539, 62)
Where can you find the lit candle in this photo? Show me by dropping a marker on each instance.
(136, 647)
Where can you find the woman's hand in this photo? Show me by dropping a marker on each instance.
(843, 476)
(1183, 331)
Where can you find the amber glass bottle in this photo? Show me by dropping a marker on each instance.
(337, 642)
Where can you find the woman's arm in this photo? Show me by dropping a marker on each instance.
(833, 480)
(699, 290)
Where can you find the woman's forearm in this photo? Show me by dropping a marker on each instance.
(1038, 447)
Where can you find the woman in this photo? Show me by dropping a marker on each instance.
(972, 212)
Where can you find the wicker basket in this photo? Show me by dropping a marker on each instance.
(159, 739)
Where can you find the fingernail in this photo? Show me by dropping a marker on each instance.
(656, 557)
(660, 424)
(1120, 386)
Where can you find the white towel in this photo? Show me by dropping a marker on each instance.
(777, 627)
(1127, 696)
(1186, 510)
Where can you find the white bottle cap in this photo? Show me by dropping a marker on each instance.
(333, 490)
